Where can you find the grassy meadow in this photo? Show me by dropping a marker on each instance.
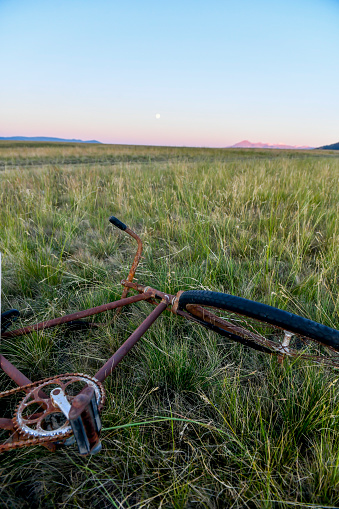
(192, 420)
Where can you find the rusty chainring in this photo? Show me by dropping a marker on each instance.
(42, 427)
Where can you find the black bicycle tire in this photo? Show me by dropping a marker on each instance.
(261, 312)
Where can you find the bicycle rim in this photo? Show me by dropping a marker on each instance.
(262, 327)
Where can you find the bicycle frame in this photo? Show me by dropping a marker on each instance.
(160, 299)
(84, 404)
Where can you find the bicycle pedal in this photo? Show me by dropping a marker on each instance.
(85, 421)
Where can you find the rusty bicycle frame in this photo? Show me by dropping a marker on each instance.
(81, 411)
(80, 403)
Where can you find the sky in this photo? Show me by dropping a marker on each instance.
(185, 73)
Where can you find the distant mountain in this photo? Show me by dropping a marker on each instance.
(248, 144)
(44, 138)
(334, 146)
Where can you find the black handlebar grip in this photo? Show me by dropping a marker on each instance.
(117, 223)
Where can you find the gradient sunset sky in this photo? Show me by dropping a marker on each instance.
(194, 73)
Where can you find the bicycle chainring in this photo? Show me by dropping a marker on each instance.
(38, 421)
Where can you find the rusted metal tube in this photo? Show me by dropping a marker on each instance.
(137, 255)
(148, 289)
(112, 363)
(6, 424)
(19, 378)
(16, 375)
(75, 316)
(116, 222)
(134, 264)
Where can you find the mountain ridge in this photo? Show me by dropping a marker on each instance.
(46, 138)
(333, 146)
(249, 144)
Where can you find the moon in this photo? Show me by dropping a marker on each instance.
(157, 116)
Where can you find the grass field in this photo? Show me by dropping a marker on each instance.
(192, 419)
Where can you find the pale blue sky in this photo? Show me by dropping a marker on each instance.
(216, 71)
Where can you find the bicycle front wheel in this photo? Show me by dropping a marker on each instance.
(262, 327)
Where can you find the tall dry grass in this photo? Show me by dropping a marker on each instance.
(192, 420)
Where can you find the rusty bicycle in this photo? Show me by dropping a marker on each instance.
(64, 409)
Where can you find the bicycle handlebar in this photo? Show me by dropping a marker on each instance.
(117, 223)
